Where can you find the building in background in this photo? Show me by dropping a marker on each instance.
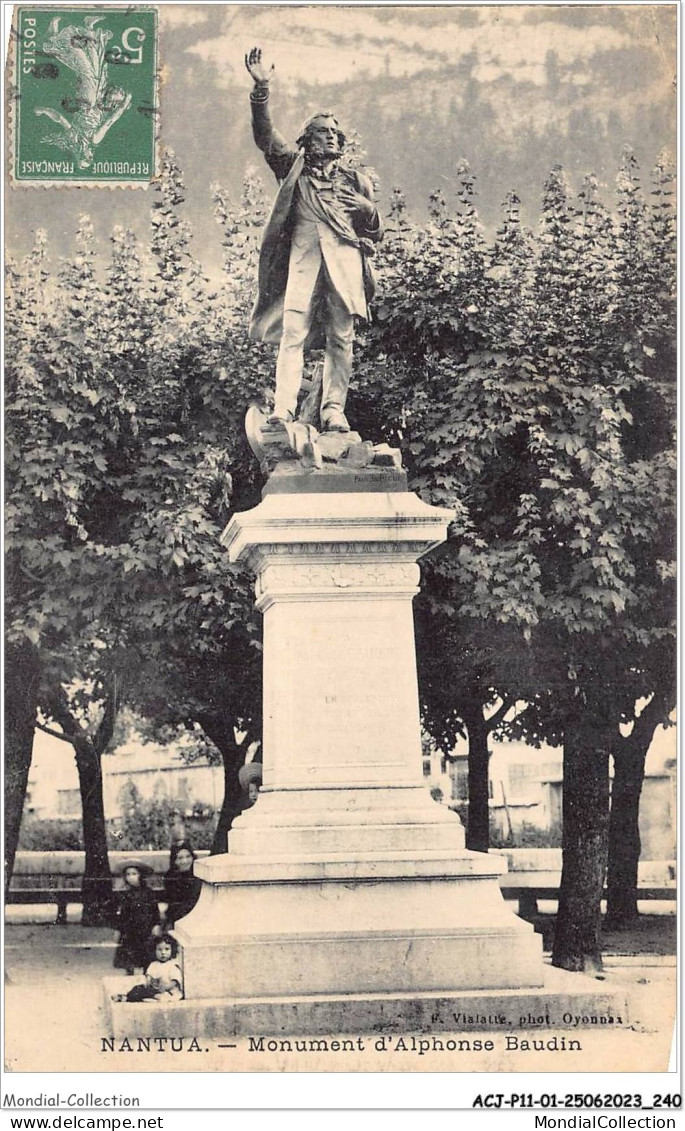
(525, 784)
(157, 773)
(526, 791)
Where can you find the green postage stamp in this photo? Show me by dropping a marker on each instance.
(84, 106)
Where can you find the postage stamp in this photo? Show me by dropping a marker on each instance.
(85, 106)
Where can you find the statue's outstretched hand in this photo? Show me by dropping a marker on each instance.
(253, 61)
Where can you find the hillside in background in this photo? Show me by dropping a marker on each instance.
(515, 90)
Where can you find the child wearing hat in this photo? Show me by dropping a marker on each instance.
(250, 780)
(137, 918)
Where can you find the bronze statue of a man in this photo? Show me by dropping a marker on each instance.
(312, 262)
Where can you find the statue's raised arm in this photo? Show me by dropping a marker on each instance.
(278, 153)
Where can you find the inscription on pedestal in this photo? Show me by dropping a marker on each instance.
(349, 706)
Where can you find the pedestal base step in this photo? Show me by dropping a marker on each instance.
(565, 1001)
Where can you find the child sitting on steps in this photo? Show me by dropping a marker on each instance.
(163, 977)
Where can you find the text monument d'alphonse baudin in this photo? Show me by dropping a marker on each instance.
(347, 901)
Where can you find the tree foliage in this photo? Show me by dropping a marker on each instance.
(124, 428)
(529, 381)
(530, 384)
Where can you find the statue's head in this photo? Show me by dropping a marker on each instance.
(321, 136)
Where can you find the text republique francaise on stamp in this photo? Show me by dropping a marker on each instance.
(84, 107)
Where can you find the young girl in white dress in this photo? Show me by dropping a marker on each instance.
(163, 977)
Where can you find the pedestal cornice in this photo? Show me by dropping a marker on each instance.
(399, 523)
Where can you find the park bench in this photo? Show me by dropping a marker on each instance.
(529, 887)
(46, 893)
(59, 889)
(535, 874)
(57, 877)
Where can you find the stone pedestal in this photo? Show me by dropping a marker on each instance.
(346, 878)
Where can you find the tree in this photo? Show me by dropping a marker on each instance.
(22, 675)
(24, 309)
(648, 268)
(190, 627)
(217, 682)
(629, 754)
(89, 743)
(473, 674)
(509, 385)
(460, 674)
(51, 605)
(119, 480)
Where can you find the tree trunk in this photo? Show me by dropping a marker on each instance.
(96, 888)
(21, 704)
(478, 829)
(220, 730)
(97, 882)
(585, 810)
(233, 798)
(624, 828)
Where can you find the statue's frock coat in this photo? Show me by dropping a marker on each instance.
(343, 260)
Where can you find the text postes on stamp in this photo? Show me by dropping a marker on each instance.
(85, 95)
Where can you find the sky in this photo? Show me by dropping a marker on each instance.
(513, 88)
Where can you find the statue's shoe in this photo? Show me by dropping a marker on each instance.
(334, 421)
(275, 419)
